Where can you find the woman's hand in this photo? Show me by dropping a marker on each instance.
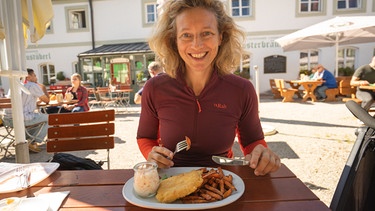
(263, 160)
(161, 156)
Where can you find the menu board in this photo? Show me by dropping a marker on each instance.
(275, 64)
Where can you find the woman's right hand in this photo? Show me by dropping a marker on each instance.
(161, 156)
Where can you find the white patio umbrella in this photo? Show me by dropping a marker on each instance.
(267, 129)
(16, 16)
(332, 32)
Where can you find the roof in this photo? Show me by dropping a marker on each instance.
(124, 48)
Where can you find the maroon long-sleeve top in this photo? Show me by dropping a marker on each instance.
(226, 107)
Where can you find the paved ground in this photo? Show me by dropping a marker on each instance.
(313, 140)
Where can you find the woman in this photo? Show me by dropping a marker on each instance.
(199, 97)
(79, 93)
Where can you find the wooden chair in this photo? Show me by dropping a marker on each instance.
(274, 89)
(81, 131)
(286, 93)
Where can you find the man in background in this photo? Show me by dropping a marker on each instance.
(155, 69)
(364, 76)
(29, 102)
(329, 82)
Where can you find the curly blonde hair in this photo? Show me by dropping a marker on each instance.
(164, 38)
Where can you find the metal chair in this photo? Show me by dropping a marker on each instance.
(7, 138)
(31, 131)
(105, 97)
(94, 99)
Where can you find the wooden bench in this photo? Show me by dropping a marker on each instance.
(81, 131)
(286, 93)
(345, 89)
(274, 89)
(331, 94)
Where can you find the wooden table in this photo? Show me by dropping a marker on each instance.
(368, 87)
(102, 190)
(43, 105)
(309, 87)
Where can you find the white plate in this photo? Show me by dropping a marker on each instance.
(13, 203)
(130, 196)
(38, 172)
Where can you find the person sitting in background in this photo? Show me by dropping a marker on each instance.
(199, 96)
(313, 75)
(79, 93)
(29, 103)
(329, 82)
(154, 68)
(364, 75)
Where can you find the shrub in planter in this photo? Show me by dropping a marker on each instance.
(346, 71)
(60, 76)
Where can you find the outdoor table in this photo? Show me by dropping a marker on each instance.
(309, 86)
(368, 87)
(294, 85)
(43, 105)
(102, 190)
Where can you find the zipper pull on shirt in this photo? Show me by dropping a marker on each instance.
(199, 105)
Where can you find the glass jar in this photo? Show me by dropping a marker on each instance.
(146, 179)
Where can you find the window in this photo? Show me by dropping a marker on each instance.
(346, 57)
(348, 4)
(48, 74)
(241, 8)
(308, 59)
(306, 8)
(77, 18)
(310, 6)
(151, 12)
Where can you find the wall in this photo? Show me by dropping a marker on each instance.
(120, 21)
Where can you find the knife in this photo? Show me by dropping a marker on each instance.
(229, 161)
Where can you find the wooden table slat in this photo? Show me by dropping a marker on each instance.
(270, 206)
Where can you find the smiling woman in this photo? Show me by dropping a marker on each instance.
(199, 46)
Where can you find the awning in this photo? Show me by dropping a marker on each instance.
(113, 49)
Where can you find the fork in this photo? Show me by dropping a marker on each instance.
(184, 144)
(23, 177)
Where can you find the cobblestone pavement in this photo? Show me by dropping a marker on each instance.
(312, 139)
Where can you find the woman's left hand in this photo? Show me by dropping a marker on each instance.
(263, 160)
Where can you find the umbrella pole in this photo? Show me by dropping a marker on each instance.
(15, 62)
(337, 55)
(267, 130)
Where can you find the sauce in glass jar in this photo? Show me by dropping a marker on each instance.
(146, 179)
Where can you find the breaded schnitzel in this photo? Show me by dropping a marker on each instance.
(178, 186)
